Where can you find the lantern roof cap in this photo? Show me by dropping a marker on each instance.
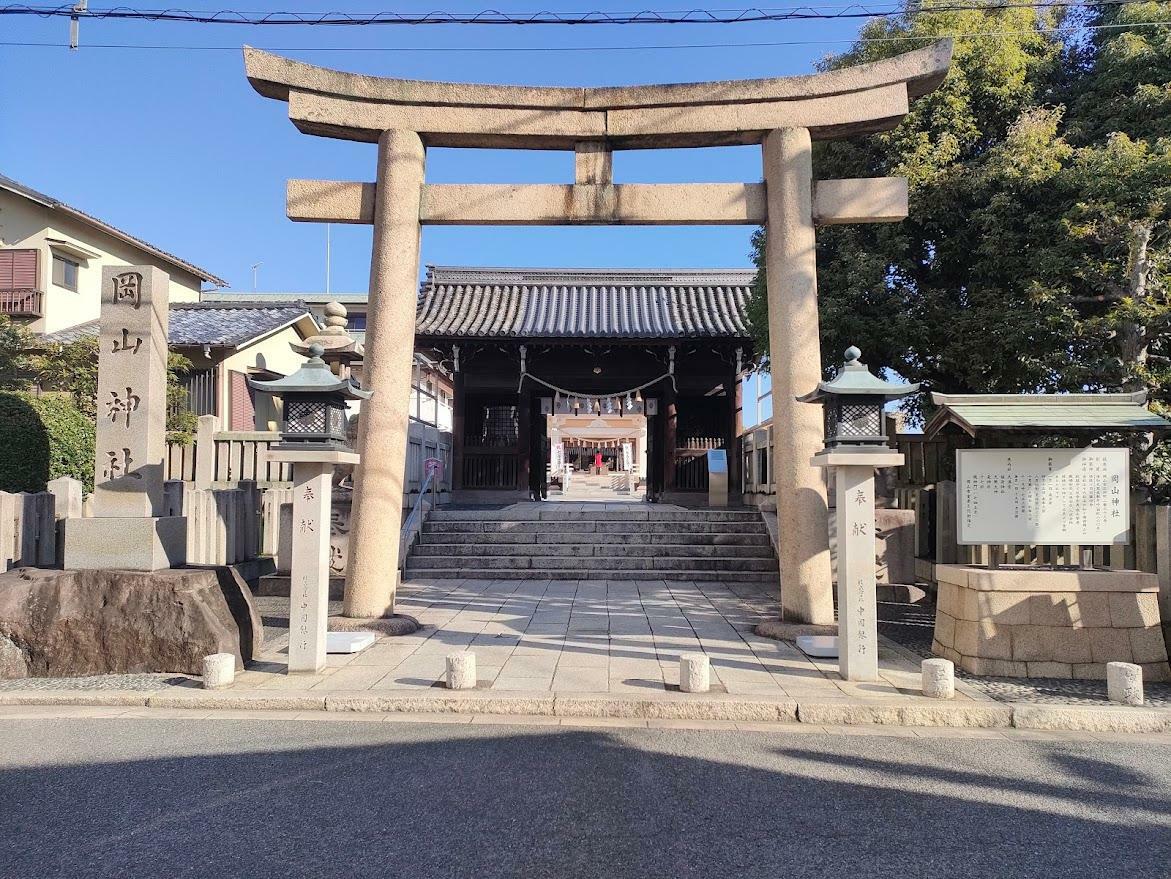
(854, 378)
(314, 377)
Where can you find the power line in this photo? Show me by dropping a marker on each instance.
(495, 17)
(638, 48)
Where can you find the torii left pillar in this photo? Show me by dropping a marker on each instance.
(376, 514)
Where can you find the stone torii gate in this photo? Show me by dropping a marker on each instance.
(404, 117)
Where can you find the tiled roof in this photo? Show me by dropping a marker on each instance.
(1045, 412)
(458, 302)
(58, 205)
(221, 325)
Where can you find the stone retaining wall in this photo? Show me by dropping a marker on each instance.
(1018, 622)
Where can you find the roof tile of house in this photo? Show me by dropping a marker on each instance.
(219, 324)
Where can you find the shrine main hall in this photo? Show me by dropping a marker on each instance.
(623, 378)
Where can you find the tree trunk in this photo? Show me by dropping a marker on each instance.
(1133, 338)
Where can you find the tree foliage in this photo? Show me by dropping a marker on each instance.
(73, 367)
(1035, 255)
(44, 437)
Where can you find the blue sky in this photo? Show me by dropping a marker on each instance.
(176, 147)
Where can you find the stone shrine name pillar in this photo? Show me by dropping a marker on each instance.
(377, 512)
(128, 530)
(795, 361)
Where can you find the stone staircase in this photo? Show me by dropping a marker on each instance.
(646, 542)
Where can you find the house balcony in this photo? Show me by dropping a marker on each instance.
(22, 303)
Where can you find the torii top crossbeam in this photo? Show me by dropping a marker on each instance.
(836, 103)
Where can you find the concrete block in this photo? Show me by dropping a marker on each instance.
(461, 671)
(1134, 610)
(1077, 717)
(1124, 683)
(1050, 644)
(1109, 645)
(1005, 608)
(1054, 609)
(1000, 668)
(1147, 645)
(1156, 672)
(945, 628)
(938, 679)
(125, 543)
(1093, 610)
(694, 673)
(219, 671)
(1050, 669)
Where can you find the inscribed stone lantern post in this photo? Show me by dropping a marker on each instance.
(313, 440)
(854, 401)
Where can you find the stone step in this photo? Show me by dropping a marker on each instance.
(592, 550)
(593, 527)
(649, 513)
(546, 538)
(414, 573)
(484, 565)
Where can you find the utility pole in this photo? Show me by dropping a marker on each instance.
(255, 266)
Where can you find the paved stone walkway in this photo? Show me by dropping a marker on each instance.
(571, 636)
(623, 638)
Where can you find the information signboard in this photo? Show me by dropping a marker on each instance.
(1047, 497)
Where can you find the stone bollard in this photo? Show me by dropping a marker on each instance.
(1124, 682)
(219, 671)
(694, 673)
(939, 679)
(461, 671)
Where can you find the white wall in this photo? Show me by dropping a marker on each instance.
(25, 223)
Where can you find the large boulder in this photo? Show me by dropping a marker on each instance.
(64, 623)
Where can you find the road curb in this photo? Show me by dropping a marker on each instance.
(923, 713)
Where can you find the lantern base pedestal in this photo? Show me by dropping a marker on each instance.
(867, 456)
(123, 543)
(819, 646)
(313, 456)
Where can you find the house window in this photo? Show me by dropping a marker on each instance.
(65, 272)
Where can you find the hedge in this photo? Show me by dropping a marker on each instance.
(42, 438)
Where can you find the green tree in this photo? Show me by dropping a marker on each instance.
(73, 367)
(1035, 254)
(15, 342)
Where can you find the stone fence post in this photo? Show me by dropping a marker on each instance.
(67, 494)
(205, 433)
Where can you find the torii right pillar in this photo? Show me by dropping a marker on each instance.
(795, 363)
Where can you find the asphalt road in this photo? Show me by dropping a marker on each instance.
(289, 798)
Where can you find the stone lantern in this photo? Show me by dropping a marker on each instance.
(313, 440)
(855, 445)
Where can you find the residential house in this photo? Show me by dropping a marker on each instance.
(228, 343)
(432, 387)
(51, 259)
